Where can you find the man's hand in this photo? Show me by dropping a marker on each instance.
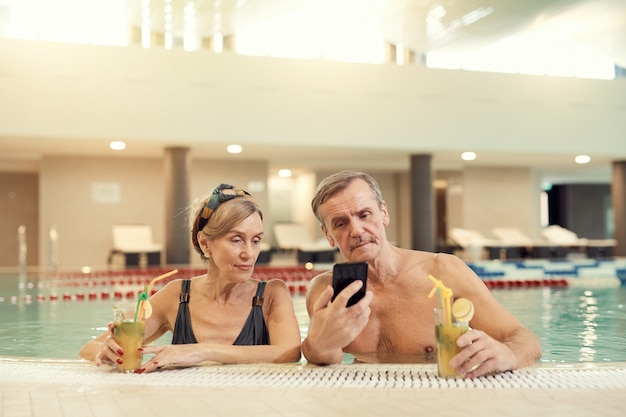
(334, 326)
(481, 355)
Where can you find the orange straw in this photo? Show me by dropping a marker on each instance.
(149, 289)
(445, 297)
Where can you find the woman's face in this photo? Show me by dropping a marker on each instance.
(235, 253)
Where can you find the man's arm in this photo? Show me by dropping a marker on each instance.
(332, 325)
(498, 341)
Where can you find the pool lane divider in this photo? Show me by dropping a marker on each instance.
(296, 288)
(127, 284)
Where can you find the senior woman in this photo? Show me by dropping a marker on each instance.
(222, 316)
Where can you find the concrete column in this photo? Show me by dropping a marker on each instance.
(618, 196)
(230, 43)
(177, 168)
(422, 203)
(390, 52)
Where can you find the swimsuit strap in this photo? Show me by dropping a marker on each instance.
(257, 300)
(183, 333)
(184, 291)
(254, 331)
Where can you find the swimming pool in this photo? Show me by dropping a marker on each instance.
(574, 323)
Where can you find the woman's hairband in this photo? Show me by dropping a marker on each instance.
(218, 197)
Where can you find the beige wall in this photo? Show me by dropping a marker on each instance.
(84, 225)
(478, 198)
(89, 92)
(19, 205)
(499, 197)
(86, 93)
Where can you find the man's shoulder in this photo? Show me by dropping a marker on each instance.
(433, 263)
(322, 278)
(425, 257)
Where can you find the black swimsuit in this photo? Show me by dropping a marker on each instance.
(254, 331)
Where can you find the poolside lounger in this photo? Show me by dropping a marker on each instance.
(295, 237)
(593, 248)
(516, 244)
(133, 242)
(474, 243)
(265, 254)
(542, 249)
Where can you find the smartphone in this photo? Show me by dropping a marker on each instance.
(344, 274)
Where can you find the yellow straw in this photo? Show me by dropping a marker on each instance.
(149, 288)
(445, 296)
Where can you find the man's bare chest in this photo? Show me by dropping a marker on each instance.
(398, 326)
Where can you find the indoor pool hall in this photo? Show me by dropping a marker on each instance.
(306, 208)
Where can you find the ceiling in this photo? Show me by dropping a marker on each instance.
(465, 25)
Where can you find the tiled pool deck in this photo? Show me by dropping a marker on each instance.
(76, 388)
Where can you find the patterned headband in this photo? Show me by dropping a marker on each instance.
(218, 197)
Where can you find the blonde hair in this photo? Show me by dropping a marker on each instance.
(218, 213)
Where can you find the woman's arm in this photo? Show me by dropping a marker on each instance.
(284, 338)
(104, 348)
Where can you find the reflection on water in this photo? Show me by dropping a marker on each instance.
(588, 310)
(573, 324)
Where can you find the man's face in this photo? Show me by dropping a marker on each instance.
(354, 222)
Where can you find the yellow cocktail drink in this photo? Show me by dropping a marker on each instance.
(129, 335)
(446, 335)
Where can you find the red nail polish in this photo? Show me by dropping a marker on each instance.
(140, 349)
(120, 352)
(140, 371)
(119, 361)
(155, 363)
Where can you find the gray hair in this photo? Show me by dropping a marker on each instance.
(337, 182)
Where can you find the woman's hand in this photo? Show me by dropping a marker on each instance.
(186, 355)
(110, 352)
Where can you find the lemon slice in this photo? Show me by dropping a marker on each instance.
(147, 309)
(463, 309)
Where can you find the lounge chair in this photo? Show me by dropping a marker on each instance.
(593, 248)
(135, 242)
(515, 244)
(541, 249)
(474, 243)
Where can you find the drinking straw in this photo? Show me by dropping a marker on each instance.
(445, 296)
(145, 294)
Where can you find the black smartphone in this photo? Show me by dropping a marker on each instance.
(344, 274)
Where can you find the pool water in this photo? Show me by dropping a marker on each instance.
(574, 324)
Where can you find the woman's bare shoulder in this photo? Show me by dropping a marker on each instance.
(275, 284)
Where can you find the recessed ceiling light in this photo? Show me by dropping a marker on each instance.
(468, 156)
(582, 159)
(117, 145)
(234, 149)
(284, 173)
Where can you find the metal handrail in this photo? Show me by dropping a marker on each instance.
(22, 247)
